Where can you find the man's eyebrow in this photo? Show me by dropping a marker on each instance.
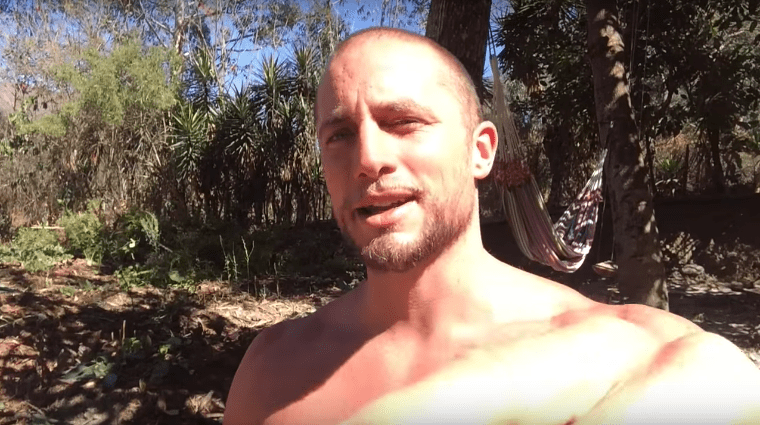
(336, 117)
(405, 105)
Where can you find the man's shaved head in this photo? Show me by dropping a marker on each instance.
(459, 79)
(398, 125)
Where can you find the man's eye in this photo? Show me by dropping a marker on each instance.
(339, 135)
(404, 124)
(406, 121)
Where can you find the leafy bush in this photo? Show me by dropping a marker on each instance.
(5, 223)
(136, 235)
(35, 249)
(133, 276)
(85, 235)
(313, 250)
(141, 258)
(669, 166)
(752, 143)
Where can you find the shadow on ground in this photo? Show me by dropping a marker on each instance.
(105, 356)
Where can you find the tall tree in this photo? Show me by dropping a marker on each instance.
(684, 60)
(462, 28)
(641, 274)
(543, 49)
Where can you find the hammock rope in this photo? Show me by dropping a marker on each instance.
(562, 246)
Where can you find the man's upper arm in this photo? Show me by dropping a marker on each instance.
(246, 401)
(699, 378)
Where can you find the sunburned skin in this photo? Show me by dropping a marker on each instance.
(441, 332)
(553, 370)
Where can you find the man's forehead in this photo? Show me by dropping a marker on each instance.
(387, 65)
(364, 49)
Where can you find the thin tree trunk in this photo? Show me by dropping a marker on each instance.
(717, 168)
(685, 174)
(462, 28)
(555, 147)
(640, 269)
(650, 164)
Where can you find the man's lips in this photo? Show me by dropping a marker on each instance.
(377, 204)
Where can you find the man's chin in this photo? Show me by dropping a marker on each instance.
(388, 254)
(399, 250)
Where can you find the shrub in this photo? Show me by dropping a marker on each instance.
(35, 249)
(84, 234)
(5, 223)
(136, 235)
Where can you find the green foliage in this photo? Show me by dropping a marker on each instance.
(108, 125)
(5, 148)
(109, 86)
(752, 143)
(550, 87)
(7, 254)
(127, 78)
(685, 61)
(164, 349)
(68, 291)
(84, 234)
(36, 250)
(669, 166)
(133, 276)
(87, 286)
(50, 125)
(189, 139)
(135, 236)
(141, 258)
(5, 223)
(98, 368)
(131, 345)
(256, 142)
(314, 250)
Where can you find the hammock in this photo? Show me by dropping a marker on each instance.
(562, 246)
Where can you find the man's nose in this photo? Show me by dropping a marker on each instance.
(377, 152)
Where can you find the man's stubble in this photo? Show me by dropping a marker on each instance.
(446, 220)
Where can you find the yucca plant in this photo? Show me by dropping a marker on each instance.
(189, 138)
(202, 82)
(254, 149)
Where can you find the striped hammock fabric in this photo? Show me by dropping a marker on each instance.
(562, 246)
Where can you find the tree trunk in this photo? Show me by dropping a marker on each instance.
(640, 269)
(685, 173)
(717, 168)
(650, 164)
(462, 28)
(556, 142)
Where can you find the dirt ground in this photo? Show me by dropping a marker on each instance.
(76, 349)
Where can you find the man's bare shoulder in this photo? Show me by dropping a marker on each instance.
(515, 295)
(287, 361)
(661, 325)
(700, 377)
(249, 401)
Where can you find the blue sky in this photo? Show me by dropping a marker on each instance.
(348, 11)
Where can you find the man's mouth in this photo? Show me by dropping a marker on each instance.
(380, 207)
(383, 206)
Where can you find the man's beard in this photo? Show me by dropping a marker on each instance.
(439, 231)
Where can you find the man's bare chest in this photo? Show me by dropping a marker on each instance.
(335, 390)
(336, 378)
(543, 362)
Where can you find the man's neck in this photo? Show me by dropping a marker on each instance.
(433, 297)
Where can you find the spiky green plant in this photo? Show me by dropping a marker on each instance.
(189, 138)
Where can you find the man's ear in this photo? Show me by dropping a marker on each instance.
(486, 141)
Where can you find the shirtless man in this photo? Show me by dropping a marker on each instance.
(442, 332)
